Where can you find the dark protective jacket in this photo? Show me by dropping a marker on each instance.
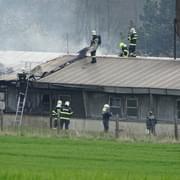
(94, 43)
(106, 115)
(151, 121)
(56, 112)
(132, 39)
(66, 113)
(125, 51)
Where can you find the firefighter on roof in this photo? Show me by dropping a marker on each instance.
(132, 37)
(124, 50)
(95, 42)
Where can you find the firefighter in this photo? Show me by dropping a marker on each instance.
(106, 114)
(56, 114)
(124, 50)
(151, 123)
(22, 76)
(66, 114)
(22, 80)
(95, 42)
(132, 37)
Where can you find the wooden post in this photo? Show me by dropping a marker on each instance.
(151, 103)
(85, 108)
(2, 107)
(117, 126)
(176, 134)
(50, 110)
(58, 125)
(175, 22)
(58, 121)
(1, 118)
(175, 120)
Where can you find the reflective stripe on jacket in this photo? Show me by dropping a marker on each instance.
(66, 113)
(132, 39)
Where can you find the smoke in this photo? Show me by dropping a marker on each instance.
(64, 25)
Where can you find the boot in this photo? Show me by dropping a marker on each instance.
(93, 60)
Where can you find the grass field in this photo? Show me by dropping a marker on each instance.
(33, 158)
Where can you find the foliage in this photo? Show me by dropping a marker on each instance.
(62, 158)
(156, 33)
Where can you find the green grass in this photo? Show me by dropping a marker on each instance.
(33, 158)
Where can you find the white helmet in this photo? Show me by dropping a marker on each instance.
(106, 106)
(132, 30)
(59, 104)
(67, 103)
(93, 32)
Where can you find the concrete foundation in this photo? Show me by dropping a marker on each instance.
(134, 129)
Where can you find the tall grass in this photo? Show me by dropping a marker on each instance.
(65, 157)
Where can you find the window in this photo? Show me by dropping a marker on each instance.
(132, 107)
(178, 108)
(2, 96)
(63, 98)
(2, 99)
(115, 104)
(45, 99)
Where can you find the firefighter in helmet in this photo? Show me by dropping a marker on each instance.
(56, 113)
(95, 42)
(106, 114)
(65, 115)
(151, 123)
(132, 37)
(124, 50)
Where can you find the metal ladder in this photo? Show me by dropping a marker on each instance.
(21, 105)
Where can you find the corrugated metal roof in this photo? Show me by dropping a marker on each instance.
(53, 64)
(8, 77)
(120, 72)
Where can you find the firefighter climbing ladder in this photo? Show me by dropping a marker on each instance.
(21, 104)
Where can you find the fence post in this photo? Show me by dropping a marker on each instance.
(1, 118)
(117, 126)
(58, 125)
(176, 134)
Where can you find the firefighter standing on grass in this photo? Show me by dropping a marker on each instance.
(132, 37)
(65, 115)
(106, 114)
(151, 123)
(56, 113)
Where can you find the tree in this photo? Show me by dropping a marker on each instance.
(156, 32)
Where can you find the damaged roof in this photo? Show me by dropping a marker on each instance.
(52, 62)
(119, 72)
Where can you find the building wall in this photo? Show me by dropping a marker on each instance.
(164, 107)
(11, 99)
(44, 101)
(89, 104)
(94, 103)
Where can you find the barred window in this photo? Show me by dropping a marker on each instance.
(132, 107)
(115, 104)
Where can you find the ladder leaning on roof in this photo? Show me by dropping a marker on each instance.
(22, 95)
